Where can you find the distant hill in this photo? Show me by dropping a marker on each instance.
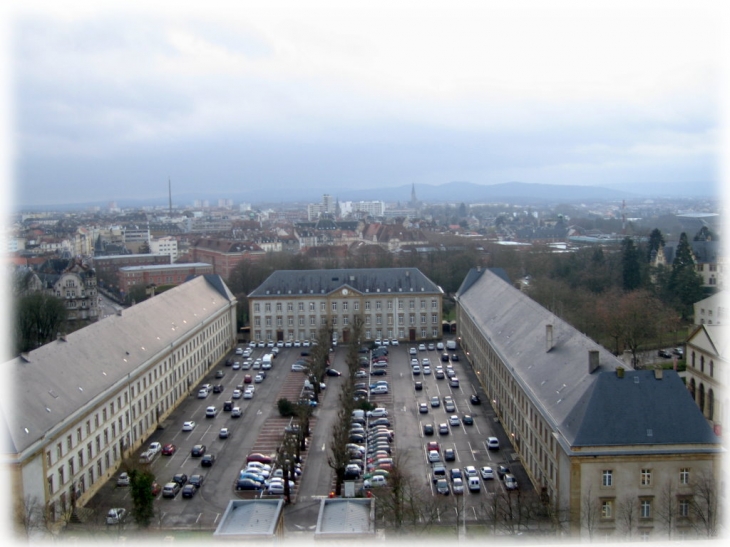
(520, 193)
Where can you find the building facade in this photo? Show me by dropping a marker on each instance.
(393, 303)
(594, 437)
(224, 254)
(165, 246)
(706, 372)
(167, 274)
(711, 310)
(111, 384)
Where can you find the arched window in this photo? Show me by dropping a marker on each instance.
(692, 389)
(710, 404)
(693, 359)
(701, 402)
(702, 363)
(712, 368)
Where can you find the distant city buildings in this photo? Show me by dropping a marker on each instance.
(159, 275)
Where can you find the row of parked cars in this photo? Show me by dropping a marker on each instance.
(370, 448)
(260, 474)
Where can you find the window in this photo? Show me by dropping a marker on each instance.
(357, 306)
(257, 307)
(313, 320)
(290, 321)
(301, 321)
(646, 477)
(312, 307)
(344, 306)
(59, 451)
(411, 304)
(434, 318)
(684, 475)
(645, 509)
(267, 306)
(378, 319)
(607, 477)
(367, 321)
(390, 304)
(607, 509)
(334, 320)
(434, 304)
(345, 320)
(257, 321)
(278, 306)
(683, 508)
(50, 485)
(49, 462)
(378, 305)
(423, 304)
(423, 319)
(334, 306)
(323, 306)
(400, 304)
(268, 321)
(69, 442)
(278, 322)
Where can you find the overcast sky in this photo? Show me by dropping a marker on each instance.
(106, 104)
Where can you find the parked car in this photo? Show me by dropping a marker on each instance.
(423, 408)
(428, 429)
(258, 457)
(486, 473)
(475, 400)
(298, 368)
(442, 486)
(197, 480)
(454, 420)
(510, 483)
(219, 374)
(169, 449)
(170, 490)
(123, 479)
(502, 470)
(333, 372)
(208, 460)
(443, 429)
(379, 412)
(435, 401)
(248, 484)
(188, 426)
(223, 433)
(458, 486)
(236, 412)
(116, 515)
(664, 353)
(419, 386)
(188, 491)
(211, 412)
(449, 455)
(198, 450)
(180, 478)
(493, 443)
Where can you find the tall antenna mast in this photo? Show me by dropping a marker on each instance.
(169, 191)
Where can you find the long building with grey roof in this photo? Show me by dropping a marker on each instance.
(81, 404)
(394, 303)
(589, 431)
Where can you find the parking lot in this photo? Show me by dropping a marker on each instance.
(260, 429)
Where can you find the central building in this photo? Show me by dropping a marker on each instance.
(394, 303)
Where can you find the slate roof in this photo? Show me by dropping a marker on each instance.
(584, 408)
(363, 280)
(61, 377)
(639, 409)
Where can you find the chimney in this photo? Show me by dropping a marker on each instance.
(593, 361)
(658, 373)
(620, 372)
(549, 337)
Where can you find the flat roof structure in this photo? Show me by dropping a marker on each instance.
(346, 518)
(251, 520)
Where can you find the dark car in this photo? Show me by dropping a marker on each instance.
(502, 470)
(454, 357)
(664, 353)
(379, 421)
(197, 480)
(168, 449)
(219, 374)
(198, 450)
(189, 491)
(379, 372)
(248, 484)
(475, 400)
(428, 429)
(445, 357)
(180, 478)
(208, 460)
(449, 454)
(467, 419)
(218, 388)
(333, 372)
(228, 406)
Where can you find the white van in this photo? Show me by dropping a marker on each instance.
(267, 361)
(474, 484)
(451, 344)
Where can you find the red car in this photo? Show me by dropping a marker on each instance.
(168, 449)
(156, 488)
(433, 445)
(258, 457)
(247, 379)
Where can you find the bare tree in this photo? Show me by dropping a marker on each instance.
(28, 517)
(590, 513)
(705, 504)
(667, 507)
(626, 516)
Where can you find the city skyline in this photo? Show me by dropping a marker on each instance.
(107, 104)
